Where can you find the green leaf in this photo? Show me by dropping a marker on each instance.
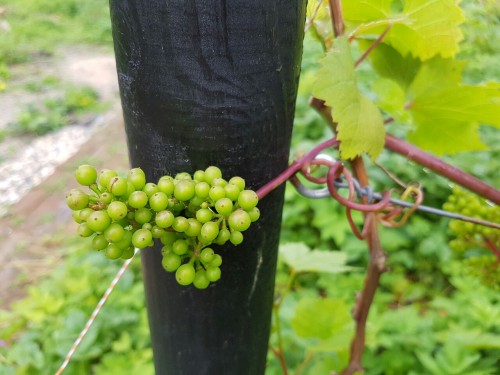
(431, 28)
(446, 115)
(302, 259)
(320, 317)
(360, 126)
(423, 28)
(391, 98)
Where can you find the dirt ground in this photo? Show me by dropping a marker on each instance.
(34, 228)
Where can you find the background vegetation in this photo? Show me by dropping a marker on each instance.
(431, 316)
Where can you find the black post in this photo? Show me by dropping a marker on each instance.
(211, 82)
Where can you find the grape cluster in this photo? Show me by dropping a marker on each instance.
(469, 235)
(474, 237)
(188, 214)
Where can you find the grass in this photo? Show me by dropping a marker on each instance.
(37, 27)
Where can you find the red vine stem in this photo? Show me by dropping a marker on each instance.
(437, 165)
(372, 46)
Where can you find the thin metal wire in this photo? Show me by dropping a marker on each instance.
(367, 191)
(96, 311)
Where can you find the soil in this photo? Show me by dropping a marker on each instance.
(34, 228)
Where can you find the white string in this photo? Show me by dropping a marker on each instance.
(96, 311)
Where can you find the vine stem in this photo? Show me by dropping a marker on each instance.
(372, 46)
(377, 256)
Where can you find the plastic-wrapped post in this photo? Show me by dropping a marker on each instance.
(211, 83)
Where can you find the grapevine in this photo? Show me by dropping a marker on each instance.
(188, 214)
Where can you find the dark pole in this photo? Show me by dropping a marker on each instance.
(211, 83)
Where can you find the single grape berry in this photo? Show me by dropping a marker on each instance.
(86, 175)
(138, 199)
(180, 224)
(128, 252)
(185, 274)
(216, 193)
(158, 201)
(77, 199)
(150, 188)
(204, 215)
(224, 206)
(166, 185)
(113, 252)
(180, 247)
(84, 214)
(98, 221)
(239, 220)
(171, 262)
(211, 173)
(184, 190)
(207, 255)
(216, 262)
(194, 228)
(143, 215)
(248, 199)
(168, 238)
(238, 181)
(84, 230)
(164, 219)
(209, 232)
(106, 197)
(200, 280)
(232, 192)
(117, 210)
(254, 214)
(236, 237)
(201, 189)
(213, 273)
(199, 176)
(114, 232)
(223, 236)
(137, 177)
(142, 238)
(117, 186)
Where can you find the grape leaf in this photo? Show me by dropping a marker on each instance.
(446, 115)
(423, 28)
(302, 259)
(360, 126)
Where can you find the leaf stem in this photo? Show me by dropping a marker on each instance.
(373, 45)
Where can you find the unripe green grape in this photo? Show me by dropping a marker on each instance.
(164, 219)
(204, 215)
(105, 175)
(180, 247)
(224, 206)
(216, 262)
(84, 214)
(128, 252)
(201, 189)
(137, 177)
(248, 199)
(209, 232)
(76, 217)
(77, 199)
(84, 230)
(180, 224)
(117, 210)
(157, 232)
(113, 252)
(211, 173)
(114, 232)
(184, 190)
(254, 214)
(200, 280)
(183, 176)
(171, 262)
(106, 197)
(130, 190)
(143, 215)
(158, 201)
(99, 242)
(86, 175)
(138, 199)
(239, 220)
(236, 237)
(166, 249)
(199, 176)
(147, 226)
(98, 221)
(194, 228)
(238, 181)
(216, 193)
(126, 240)
(232, 192)
(219, 182)
(185, 274)
(142, 238)
(166, 185)
(117, 186)
(213, 273)
(222, 237)
(195, 202)
(168, 238)
(150, 188)
(207, 255)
